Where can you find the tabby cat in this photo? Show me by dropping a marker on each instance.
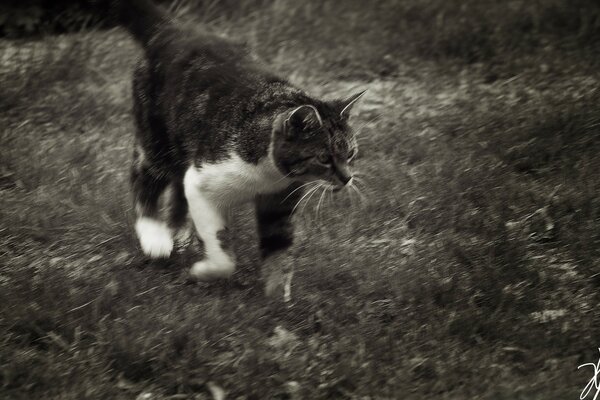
(219, 129)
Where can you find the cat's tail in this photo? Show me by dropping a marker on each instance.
(142, 18)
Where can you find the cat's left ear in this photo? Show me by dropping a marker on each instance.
(347, 104)
(305, 119)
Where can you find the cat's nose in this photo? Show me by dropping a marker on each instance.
(343, 174)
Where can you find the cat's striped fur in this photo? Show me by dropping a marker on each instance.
(219, 129)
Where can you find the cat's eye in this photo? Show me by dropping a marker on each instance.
(324, 159)
(301, 170)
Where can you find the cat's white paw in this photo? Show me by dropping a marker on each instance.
(155, 237)
(207, 270)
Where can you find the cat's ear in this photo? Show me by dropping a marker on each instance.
(305, 118)
(347, 104)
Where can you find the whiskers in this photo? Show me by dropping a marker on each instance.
(283, 177)
(326, 188)
(298, 188)
(356, 192)
(316, 185)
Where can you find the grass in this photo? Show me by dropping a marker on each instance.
(470, 271)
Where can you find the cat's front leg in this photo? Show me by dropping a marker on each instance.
(210, 219)
(276, 234)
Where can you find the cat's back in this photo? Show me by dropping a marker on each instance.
(177, 54)
(210, 94)
(192, 52)
(192, 65)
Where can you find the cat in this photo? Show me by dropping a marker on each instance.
(219, 129)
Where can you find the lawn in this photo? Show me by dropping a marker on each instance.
(468, 268)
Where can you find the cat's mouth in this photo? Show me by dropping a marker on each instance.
(341, 185)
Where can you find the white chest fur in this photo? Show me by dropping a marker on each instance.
(234, 181)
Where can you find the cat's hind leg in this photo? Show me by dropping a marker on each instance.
(156, 237)
(209, 214)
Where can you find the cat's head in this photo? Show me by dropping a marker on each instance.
(314, 142)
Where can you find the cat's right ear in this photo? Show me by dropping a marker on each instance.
(349, 103)
(303, 120)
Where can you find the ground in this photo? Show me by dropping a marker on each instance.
(468, 267)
